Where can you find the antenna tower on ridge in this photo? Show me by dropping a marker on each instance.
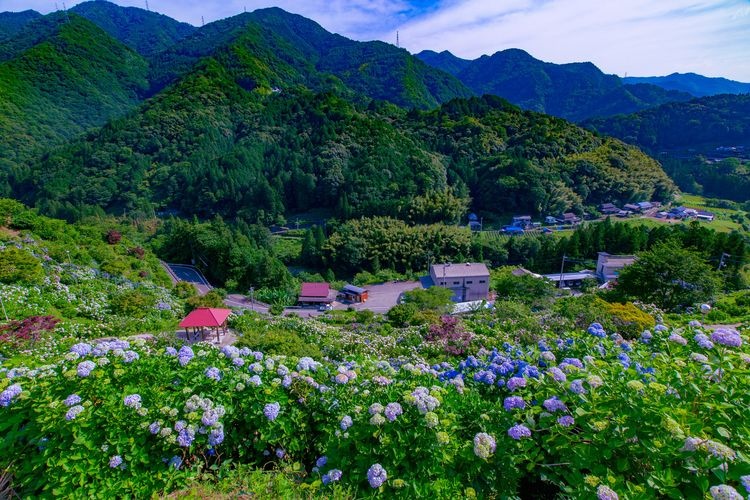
(65, 9)
(203, 23)
(147, 6)
(397, 41)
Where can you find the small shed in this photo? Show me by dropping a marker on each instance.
(353, 293)
(206, 318)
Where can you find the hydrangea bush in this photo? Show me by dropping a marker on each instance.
(587, 414)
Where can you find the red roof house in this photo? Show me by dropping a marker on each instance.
(206, 317)
(316, 293)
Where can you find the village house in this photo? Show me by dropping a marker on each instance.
(475, 224)
(703, 215)
(522, 221)
(570, 280)
(468, 281)
(608, 266)
(355, 294)
(313, 294)
(569, 218)
(608, 209)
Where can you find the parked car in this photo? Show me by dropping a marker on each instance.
(325, 307)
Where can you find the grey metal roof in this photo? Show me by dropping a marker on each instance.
(354, 289)
(459, 270)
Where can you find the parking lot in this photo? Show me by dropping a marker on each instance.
(382, 297)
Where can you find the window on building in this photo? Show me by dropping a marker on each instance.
(442, 283)
(456, 282)
(482, 281)
(469, 282)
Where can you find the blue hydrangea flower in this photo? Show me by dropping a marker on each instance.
(321, 461)
(604, 492)
(185, 437)
(703, 341)
(210, 417)
(175, 461)
(154, 428)
(216, 436)
(724, 492)
(513, 402)
(677, 339)
(484, 445)
(85, 368)
(271, 411)
(170, 351)
(577, 387)
(73, 412)
(133, 401)
(553, 404)
(280, 453)
(376, 475)
(116, 461)
(745, 480)
(557, 374)
(238, 362)
(646, 336)
(516, 382)
(660, 328)
(73, 399)
(597, 330)
(331, 476)
(393, 410)
(213, 373)
(519, 431)
(185, 355)
(255, 380)
(82, 349)
(346, 422)
(727, 337)
(566, 420)
(9, 394)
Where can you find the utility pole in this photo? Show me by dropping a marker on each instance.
(252, 305)
(562, 266)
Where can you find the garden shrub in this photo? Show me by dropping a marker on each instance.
(627, 320)
(278, 341)
(19, 266)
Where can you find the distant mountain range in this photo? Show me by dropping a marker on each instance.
(575, 91)
(697, 85)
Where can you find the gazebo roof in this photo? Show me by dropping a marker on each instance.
(205, 316)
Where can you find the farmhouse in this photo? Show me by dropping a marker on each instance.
(570, 280)
(703, 215)
(523, 221)
(608, 209)
(608, 266)
(469, 281)
(569, 218)
(312, 294)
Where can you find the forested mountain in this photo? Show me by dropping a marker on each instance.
(217, 142)
(13, 22)
(300, 51)
(697, 85)
(143, 31)
(59, 76)
(700, 125)
(575, 91)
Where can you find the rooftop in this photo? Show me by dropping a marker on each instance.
(451, 270)
(314, 290)
(205, 316)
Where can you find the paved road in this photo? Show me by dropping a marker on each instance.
(184, 272)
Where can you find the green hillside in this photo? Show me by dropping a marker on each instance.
(60, 76)
(573, 91)
(143, 31)
(375, 70)
(700, 124)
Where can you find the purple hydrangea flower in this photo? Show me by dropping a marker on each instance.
(727, 337)
(213, 373)
(321, 461)
(554, 404)
(375, 408)
(271, 411)
(185, 355)
(9, 394)
(393, 410)
(238, 362)
(646, 336)
(660, 328)
(572, 362)
(133, 401)
(516, 382)
(129, 356)
(154, 428)
(280, 452)
(175, 461)
(604, 492)
(332, 476)
(376, 476)
(484, 445)
(73, 399)
(210, 417)
(512, 402)
(171, 351)
(115, 461)
(566, 420)
(255, 380)
(85, 368)
(745, 480)
(346, 422)
(677, 339)
(519, 431)
(73, 412)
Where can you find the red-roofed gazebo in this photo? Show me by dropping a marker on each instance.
(206, 317)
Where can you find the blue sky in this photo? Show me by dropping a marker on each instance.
(637, 37)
